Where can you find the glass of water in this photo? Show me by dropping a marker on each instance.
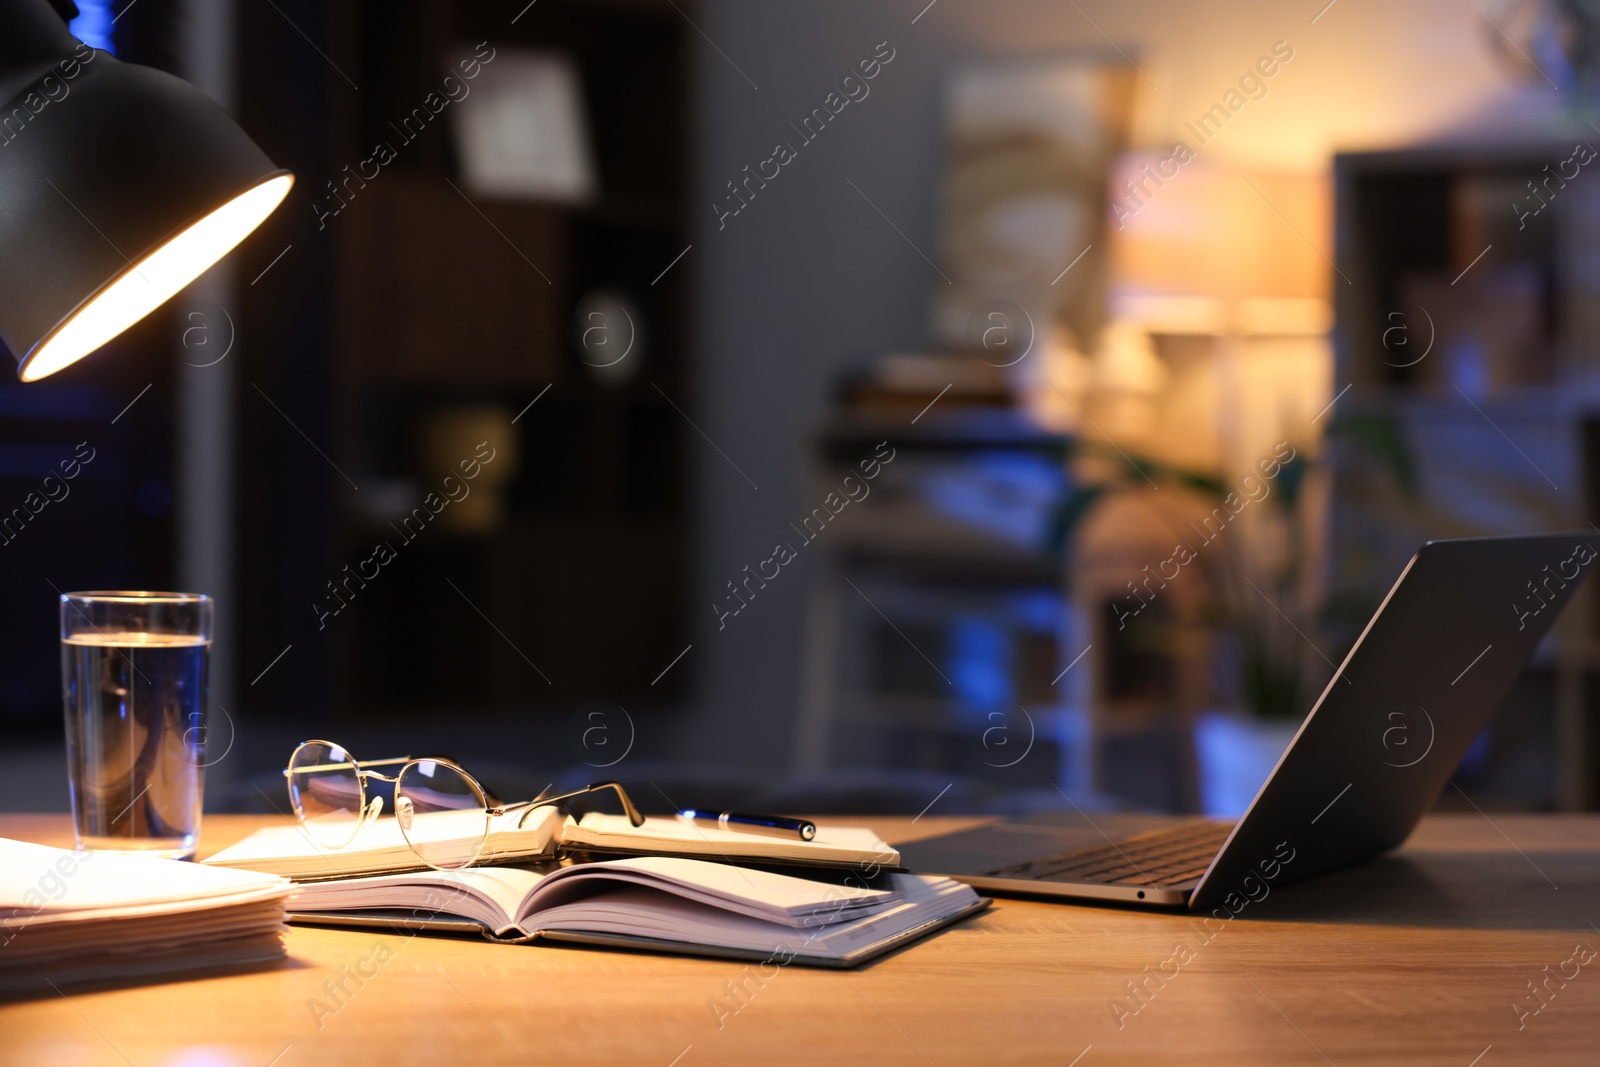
(134, 669)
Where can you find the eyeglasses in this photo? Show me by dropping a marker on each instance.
(444, 814)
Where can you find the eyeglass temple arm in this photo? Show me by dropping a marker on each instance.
(634, 817)
(358, 764)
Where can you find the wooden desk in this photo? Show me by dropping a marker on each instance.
(1414, 959)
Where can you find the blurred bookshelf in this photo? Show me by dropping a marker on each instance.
(424, 315)
(1468, 335)
(934, 622)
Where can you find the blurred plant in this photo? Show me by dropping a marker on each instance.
(1258, 579)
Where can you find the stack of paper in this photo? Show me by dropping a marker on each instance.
(77, 916)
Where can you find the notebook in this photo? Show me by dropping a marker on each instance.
(550, 834)
(655, 903)
(598, 834)
(69, 917)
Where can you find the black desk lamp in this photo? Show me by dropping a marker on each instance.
(119, 185)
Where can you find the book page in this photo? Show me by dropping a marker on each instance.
(777, 898)
(638, 912)
(490, 895)
(40, 881)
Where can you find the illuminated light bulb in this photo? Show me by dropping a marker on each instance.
(155, 279)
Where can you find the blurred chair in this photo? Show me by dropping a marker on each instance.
(1149, 658)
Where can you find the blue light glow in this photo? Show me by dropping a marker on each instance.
(980, 660)
(1008, 494)
(93, 24)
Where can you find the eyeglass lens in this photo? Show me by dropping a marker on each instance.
(326, 793)
(443, 814)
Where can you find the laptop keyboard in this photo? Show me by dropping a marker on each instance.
(1163, 858)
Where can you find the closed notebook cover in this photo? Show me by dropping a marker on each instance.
(600, 835)
(381, 848)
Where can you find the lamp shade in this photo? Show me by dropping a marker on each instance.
(119, 184)
(1215, 247)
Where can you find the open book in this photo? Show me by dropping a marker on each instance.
(70, 916)
(550, 834)
(657, 903)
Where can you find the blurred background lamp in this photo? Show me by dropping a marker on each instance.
(119, 185)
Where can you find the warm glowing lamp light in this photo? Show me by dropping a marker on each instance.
(152, 281)
(119, 185)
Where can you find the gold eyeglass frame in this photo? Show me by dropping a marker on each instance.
(369, 811)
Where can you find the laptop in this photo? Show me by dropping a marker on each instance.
(1381, 743)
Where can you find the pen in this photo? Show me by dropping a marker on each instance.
(760, 824)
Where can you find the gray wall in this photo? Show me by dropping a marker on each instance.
(808, 278)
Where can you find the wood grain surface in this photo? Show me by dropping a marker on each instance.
(1421, 957)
